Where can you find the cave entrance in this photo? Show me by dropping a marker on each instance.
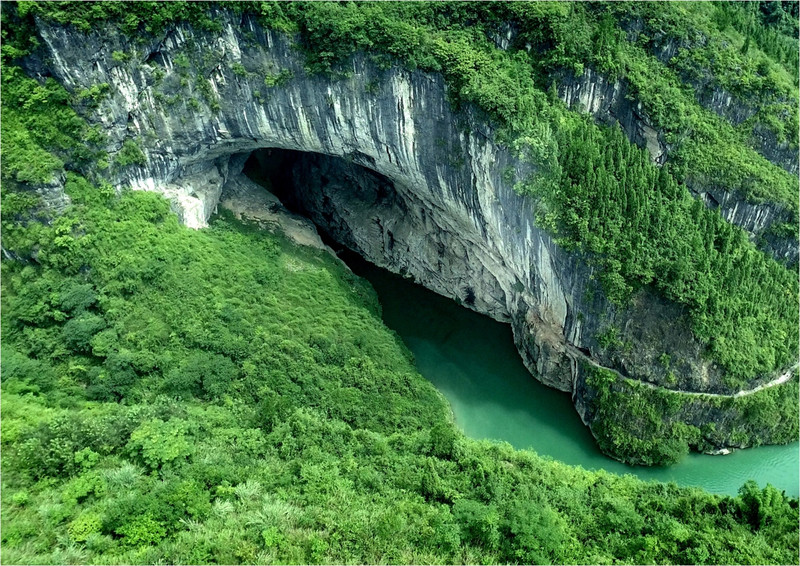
(272, 169)
(293, 176)
(338, 194)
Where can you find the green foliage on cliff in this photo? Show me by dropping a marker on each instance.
(714, 46)
(222, 396)
(652, 426)
(43, 133)
(131, 17)
(644, 229)
(129, 154)
(770, 25)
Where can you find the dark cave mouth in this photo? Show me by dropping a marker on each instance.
(358, 212)
(286, 173)
(349, 203)
(272, 169)
(302, 180)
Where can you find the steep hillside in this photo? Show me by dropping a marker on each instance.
(225, 396)
(496, 168)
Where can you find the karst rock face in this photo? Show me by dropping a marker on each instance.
(392, 171)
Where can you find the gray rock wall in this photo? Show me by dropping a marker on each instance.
(605, 100)
(710, 95)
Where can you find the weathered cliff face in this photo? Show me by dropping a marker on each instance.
(735, 111)
(390, 171)
(755, 218)
(607, 102)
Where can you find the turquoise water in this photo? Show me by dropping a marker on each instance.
(472, 360)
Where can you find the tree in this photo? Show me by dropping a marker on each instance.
(760, 506)
(479, 523)
(159, 443)
(535, 534)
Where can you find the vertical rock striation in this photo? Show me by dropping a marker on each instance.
(608, 103)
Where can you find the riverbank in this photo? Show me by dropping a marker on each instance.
(472, 361)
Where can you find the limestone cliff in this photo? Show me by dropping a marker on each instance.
(724, 103)
(387, 168)
(612, 102)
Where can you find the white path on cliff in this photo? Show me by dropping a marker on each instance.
(783, 378)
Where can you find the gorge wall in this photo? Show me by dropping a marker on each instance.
(388, 169)
(610, 101)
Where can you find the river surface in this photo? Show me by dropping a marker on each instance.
(472, 360)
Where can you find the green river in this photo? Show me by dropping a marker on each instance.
(472, 360)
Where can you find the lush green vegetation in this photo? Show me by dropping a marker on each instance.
(133, 18)
(652, 426)
(223, 396)
(716, 47)
(772, 26)
(37, 115)
(644, 229)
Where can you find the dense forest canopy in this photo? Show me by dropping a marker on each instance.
(225, 396)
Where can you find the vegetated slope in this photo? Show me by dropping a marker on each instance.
(748, 50)
(742, 303)
(224, 396)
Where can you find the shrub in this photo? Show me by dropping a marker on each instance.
(85, 525)
(479, 523)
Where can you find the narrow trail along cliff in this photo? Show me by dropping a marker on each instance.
(783, 378)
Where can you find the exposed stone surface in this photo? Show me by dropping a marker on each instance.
(414, 187)
(736, 112)
(195, 195)
(710, 95)
(755, 218)
(250, 201)
(594, 94)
